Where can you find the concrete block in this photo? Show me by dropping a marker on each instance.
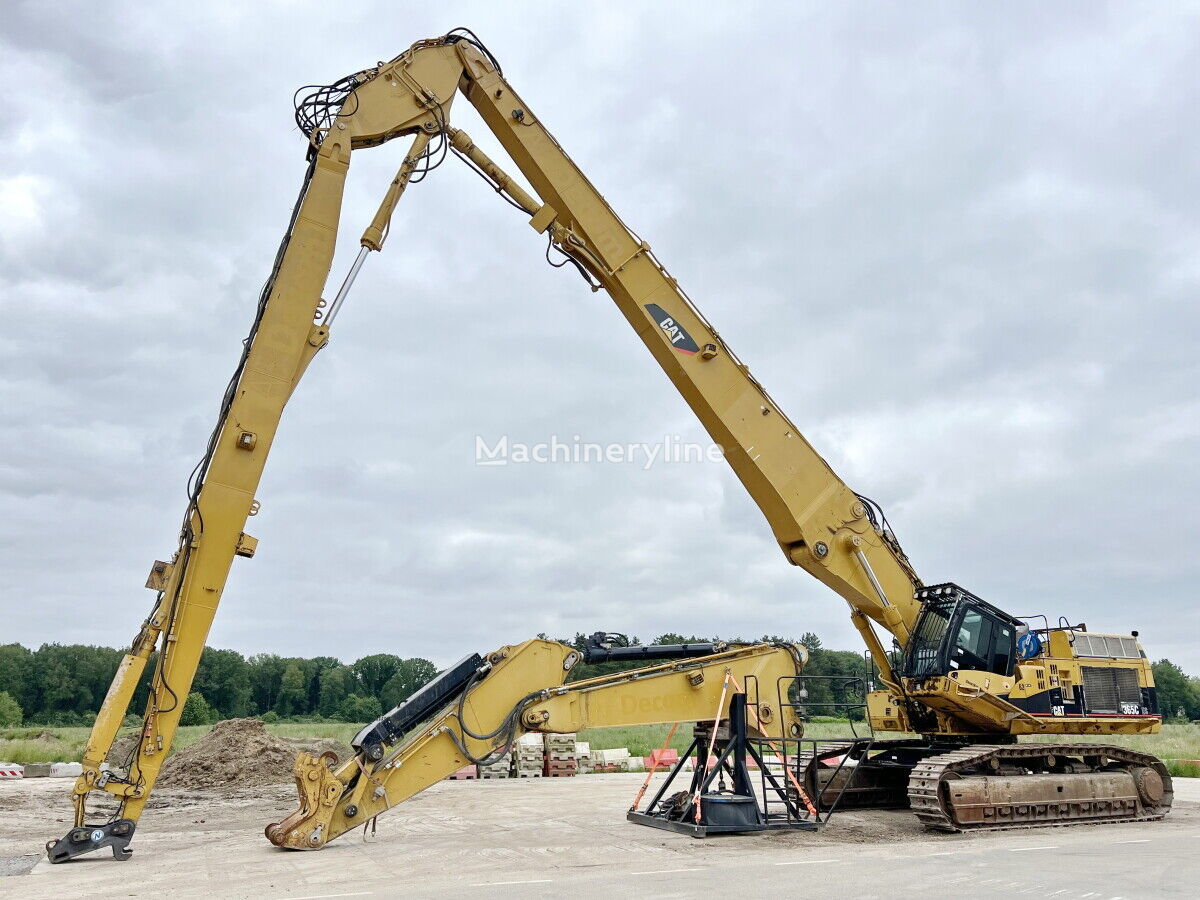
(610, 756)
(66, 770)
(501, 768)
(37, 770)
(11, 770)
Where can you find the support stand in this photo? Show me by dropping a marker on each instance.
(739, 808)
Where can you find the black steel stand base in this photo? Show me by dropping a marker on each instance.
(705, 808)
(699, 831)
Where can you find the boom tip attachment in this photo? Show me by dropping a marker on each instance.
(89, 838)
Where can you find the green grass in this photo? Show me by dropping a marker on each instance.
(1176, 741)
(22, 745)
(342, 731)
(641, 739)
(1183, 769)
(1179, 744)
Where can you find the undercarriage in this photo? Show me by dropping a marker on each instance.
(975, 787)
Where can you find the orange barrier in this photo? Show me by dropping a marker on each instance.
(658, 758)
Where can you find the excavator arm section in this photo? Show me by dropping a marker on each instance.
(819, 522)
(286, 333)
(521, 689)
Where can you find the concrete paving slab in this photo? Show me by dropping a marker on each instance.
(568, 837)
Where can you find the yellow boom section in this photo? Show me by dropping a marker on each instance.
(819, 522)
(525, 685)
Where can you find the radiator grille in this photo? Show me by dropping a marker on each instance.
(1105, 690)
(1105, 645)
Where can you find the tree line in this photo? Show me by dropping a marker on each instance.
(64, 684)
(61, 684)
(834, 681)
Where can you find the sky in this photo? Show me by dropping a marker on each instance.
(959, 243)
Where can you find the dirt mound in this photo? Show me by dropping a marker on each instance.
(47, 737)
(239, 753)
(317, 746)
(121, 752)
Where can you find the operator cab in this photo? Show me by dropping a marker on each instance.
(957, 630)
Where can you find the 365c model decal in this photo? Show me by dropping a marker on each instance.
(680, 339)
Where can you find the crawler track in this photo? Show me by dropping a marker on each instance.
(986, 787)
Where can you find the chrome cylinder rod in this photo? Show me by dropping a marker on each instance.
(336, 305)
(862, 561)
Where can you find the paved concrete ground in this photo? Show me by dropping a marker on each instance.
(568, 837)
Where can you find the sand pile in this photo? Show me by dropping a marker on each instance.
(239, 753)
(122, 748)
(317, 746)
(121, 753)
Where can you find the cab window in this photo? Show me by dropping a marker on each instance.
(983, 644)
(972, 646)
(1003, 648)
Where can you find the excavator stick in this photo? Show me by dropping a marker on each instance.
(516, 690)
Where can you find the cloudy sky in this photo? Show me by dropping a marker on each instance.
(960, 244)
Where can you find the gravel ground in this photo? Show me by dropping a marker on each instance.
(568, 834)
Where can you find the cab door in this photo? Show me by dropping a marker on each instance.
(982, 642)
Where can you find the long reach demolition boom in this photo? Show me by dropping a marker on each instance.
(966, 676)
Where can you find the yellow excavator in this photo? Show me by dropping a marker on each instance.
(962, 674)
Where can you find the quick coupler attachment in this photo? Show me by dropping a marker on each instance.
(87, 838)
